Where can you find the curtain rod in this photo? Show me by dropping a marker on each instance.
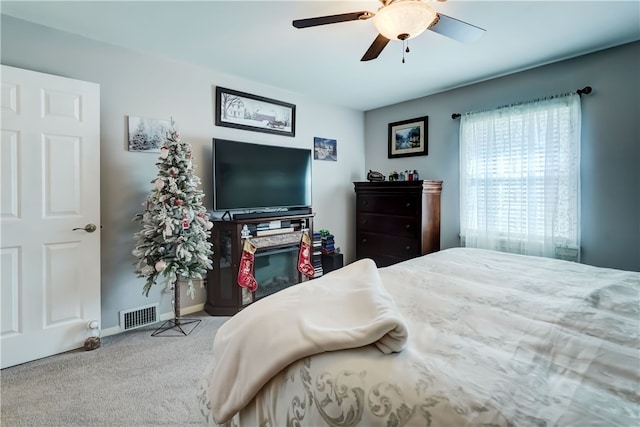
(585, 90)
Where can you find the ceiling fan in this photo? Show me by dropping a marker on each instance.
(401, 20)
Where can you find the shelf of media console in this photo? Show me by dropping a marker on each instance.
(270, 232)
(257, 215)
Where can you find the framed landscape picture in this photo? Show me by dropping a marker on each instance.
(325, 149)
(242, 110)
(147, 134)
(408, 138)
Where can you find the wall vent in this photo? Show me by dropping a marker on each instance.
(137, 317)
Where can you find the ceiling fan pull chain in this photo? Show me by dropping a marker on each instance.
(403, 50)
(405, 39)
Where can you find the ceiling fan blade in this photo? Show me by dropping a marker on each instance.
(376, 48)
(456, 29)
(331, 19)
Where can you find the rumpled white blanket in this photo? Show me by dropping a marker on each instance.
(346, 308)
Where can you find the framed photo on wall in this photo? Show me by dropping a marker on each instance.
(408, 138)
(147, 134)
(242, 110)
(325, 149)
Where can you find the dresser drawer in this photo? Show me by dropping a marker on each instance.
(397, 226)
(384, 244)
(389, 204)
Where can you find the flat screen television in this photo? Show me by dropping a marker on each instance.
(257, 177)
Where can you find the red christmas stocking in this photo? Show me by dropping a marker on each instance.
(304, 257)
(245, 272)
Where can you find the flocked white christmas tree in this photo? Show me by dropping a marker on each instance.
(174, 241)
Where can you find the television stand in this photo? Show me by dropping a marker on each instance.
(278, 249)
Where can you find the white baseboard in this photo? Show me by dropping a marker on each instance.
(183, 311)
(164, 316)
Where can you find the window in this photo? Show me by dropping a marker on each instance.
(520, 178)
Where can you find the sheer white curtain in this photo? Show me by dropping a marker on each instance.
(520, 178)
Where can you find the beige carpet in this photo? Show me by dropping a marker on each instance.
(133, 379)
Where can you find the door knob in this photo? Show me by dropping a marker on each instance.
(89, 228)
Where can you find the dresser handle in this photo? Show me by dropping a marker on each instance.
(364, 221)
(407, 205)
(408, 226)
(364, 240)
(365, 202)
(407, 248)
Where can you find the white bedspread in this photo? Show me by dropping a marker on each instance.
(350, 309)
(495, 339)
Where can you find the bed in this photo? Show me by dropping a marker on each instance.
(460, 337)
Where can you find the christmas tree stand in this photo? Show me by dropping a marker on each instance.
(178, 326)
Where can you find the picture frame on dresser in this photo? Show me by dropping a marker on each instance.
(409, 138)
(241, 110)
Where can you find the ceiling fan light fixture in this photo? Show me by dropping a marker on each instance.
(404, 17)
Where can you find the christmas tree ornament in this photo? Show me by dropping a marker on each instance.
(160, 266)
(159, 184)
(168, 229)
(164, 152)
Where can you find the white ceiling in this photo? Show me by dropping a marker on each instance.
(255, 40)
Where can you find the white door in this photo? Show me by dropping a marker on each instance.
(50, 183)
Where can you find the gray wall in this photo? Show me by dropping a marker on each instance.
(610, 152)
(146, 86)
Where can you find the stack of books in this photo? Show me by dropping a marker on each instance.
(331, 257)
(328, 244)
(316, 257)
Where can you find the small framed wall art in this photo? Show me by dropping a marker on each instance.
(408, 138)
(242, 110)
(325, 149)
(147, 134)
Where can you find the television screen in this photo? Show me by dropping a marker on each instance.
(256, 176)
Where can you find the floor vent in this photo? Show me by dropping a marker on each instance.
(137, 317)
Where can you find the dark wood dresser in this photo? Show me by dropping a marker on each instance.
(397, 220)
